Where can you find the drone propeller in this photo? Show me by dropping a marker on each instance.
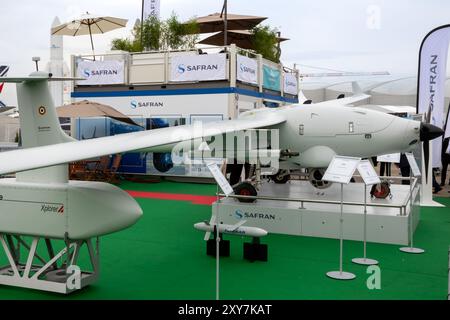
(212, 221)
(428, 132)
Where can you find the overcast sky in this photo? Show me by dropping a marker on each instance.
(349, 35)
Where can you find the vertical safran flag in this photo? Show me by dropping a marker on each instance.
(431, 82)
(152, 8)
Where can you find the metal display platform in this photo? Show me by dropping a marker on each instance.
(296, 208)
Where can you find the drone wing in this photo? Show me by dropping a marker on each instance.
(51, 155)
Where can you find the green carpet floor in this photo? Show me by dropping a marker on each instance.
(163, 257)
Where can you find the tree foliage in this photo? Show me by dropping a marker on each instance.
(158, 34)
(265, 42)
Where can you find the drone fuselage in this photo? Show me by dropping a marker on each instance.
(75, 210)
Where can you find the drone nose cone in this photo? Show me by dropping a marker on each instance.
(429, 132)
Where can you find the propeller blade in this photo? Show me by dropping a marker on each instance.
(212, 222)
(428, 132)
(426, 153)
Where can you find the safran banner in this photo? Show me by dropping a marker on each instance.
(205, 67)
(247, 69)
(432, 76)
(152, 8)
(101, 72)
(290, 84)
(271, 78)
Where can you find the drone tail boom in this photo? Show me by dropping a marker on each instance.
(39, 125)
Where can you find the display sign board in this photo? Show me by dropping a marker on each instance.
(290, 84)
(205, 67)
(220, 178)
(413, 164)
(152, 8)
(341, 169)
(392, 158)
(247, 69)
(271, 78)
(101, 72)
(368, 173)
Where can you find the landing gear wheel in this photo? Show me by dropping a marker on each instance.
(381, 191)
(281, 177)
(246, 189)
(315, 178)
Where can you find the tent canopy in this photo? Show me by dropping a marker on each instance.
(242, 38)
(215, 22)
(89, 109)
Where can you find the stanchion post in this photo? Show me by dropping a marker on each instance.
(341, 170)
(411, 248)
(341, 275)
(365, 261)
(217, 247)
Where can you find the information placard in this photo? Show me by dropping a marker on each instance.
(368, 173)
(392, 158)
(341, 169)
(413, 164)
(220, 178)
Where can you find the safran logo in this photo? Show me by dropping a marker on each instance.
(104, 72)
(238, 214)
(147, 104)
(181, 68)
(201, 67)
(247, 69)
(51, 208)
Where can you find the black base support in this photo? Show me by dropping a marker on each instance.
(224, 248)
(255, 251)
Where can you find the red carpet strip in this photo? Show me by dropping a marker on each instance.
(194, 199)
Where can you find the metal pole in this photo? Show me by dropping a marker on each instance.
(341, 275)
(365, 261)
(410, 210)
(411, 248)
(341, 229)
(142, 25)
(92, 41)
(217, 248)
(365, 221)
(225, 37)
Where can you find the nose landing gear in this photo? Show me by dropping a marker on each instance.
(382, 190)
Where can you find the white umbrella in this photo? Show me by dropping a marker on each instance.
(89, 24)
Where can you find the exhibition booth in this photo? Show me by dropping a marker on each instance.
(165, 89)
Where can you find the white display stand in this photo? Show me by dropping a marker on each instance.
(341, 170)
(222, 182)
(318, 215)
(370, 177)
(416, 173)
